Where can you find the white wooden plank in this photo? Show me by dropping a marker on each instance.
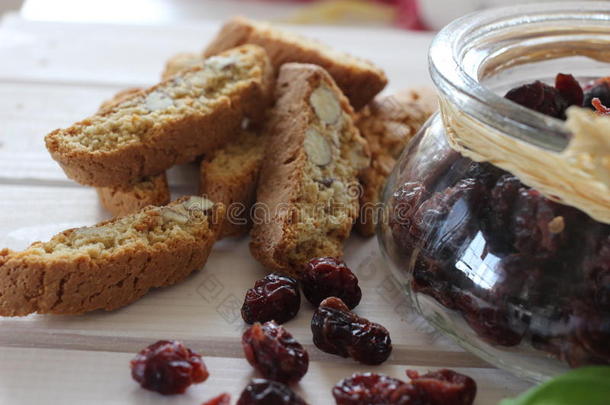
(31, 376)
(134, 55)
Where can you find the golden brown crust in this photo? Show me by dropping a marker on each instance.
(62, 277)
(154, 144)
(230, 176)
(360, 80)
(388, 124)
(304, 206)
(180, 62)
(119, 98)
(124, 200)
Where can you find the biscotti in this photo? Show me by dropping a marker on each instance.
(388, 124)
(127, 199)
(230, 176)
(181, 62)
(190, 114)
(112, 264)
(124, 200)
(360, 80)
(306, 190)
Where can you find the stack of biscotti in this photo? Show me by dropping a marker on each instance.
(307, 183)
(388, 124)
(194, 112)
(112, 264)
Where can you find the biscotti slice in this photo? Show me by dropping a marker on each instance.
(173, 122)
(181, 62)
(388, 124)
(307, 192)
(360, 80)
(119, 97)
(230, 176)
(124, 200)
(112, 264)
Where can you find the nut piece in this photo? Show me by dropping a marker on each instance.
(358, 158)
(170, 214)
(198, 203)
(220, 62)
(326, 105)
(317, 148)
(158, 101)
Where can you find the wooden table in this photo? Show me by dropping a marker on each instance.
(53, 74)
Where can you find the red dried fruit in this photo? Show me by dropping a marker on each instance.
(273, 351)
(570, 89)
(266, 392)
(274, 298)
(222, 399)
(540, 97)
(337, 330)
(168, 367)
(329, 277)
(405, 202)
(369, 388)
(444, 387)
(599, 89)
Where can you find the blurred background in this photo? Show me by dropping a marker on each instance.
(403, 14)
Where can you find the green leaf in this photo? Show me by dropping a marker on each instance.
(583, 386)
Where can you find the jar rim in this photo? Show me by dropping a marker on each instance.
(455, 77)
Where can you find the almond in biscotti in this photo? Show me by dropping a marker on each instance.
(308, 173)
(193, 112)
(111, 264)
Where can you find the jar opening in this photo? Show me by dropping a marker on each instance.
(479, 55)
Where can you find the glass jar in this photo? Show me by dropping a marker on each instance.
(518, 279)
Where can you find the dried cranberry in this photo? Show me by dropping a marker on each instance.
(494, 324)
(329, 277)
(222, 399)
(369, 388)
(336, 330)
(405, 201)
(266, 392)
(570, 89)
(273, 298)
(499, 212)
(168, 367)
(540, 97)
(273, 351)
(447, 221)
(598, 89)
(444, 387)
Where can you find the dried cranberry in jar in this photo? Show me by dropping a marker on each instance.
(337, 330)
(444, 387)
(598, 89)
(168, 367)
(329, 277)
(266, 392)
(273, 351)
(222, 399)
(274, 298)
(369, 388)
(540, 97)
(570, 89)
